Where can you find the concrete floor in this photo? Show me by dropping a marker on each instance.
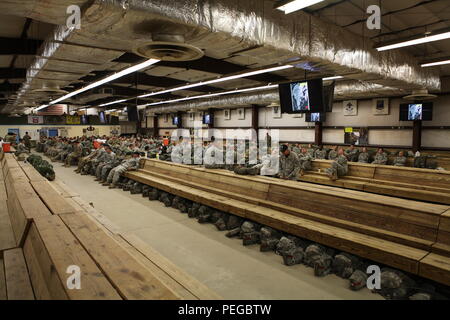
(223, 264)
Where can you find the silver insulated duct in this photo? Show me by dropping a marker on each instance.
(247, 32)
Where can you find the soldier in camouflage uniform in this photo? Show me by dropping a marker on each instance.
(332, 155)
(21, 150)
(400, 160)
(364, 156)
(381, 157)
(305, 161)
(75, 155)
(296, 149)
(311, 150)
(289, 164)
(352, 153)
(27, 141)
(320, 153)
(339, 167)
(105, 159)
(126, 165)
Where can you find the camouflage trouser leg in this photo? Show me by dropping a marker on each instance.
(105, 172)
(305, 165)
(117, 174)
(98, 170)
(336, 169)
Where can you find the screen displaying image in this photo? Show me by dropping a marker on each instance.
(102, 117)
(207, 119)
(315, 117)
(176, 121)
(415, 112)
(300, 97)
(303, 97)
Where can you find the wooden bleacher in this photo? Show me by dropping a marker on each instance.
(47, 227)
(411, 183)
(392, 231)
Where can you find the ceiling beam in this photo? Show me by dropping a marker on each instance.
(12, 46)
(9, 73)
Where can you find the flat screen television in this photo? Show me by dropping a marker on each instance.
(416, 111)
(84, 119)
(94, 120)
(133, 114)
(208, 118)
(302, 97)
(316, 117)
(176, 120)
(102, 117)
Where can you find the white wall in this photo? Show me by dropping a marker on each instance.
(293, 128)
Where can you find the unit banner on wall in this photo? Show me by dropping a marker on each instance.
(357, 136)
(35, 120)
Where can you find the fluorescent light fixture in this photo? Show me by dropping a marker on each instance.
(113, 77)
(209, 95)
(333, 78)
(113, 102)
(437, 63)
(295, 5)
(205, 83)
(425, 39)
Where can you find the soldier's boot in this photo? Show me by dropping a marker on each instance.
(234, 233)
(112, 186)
(250, 238)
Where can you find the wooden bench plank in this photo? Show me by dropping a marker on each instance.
(435, 267)
(7, 238)
(196, 288)
(50, 248)
(31, 173)
(18, 284)
(132, 280)
(54, 201)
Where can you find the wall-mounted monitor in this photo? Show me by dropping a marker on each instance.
(416, 112)
(133, 114)
(208, 118)
(316, 117)
(102, 117)
(176, 120)
(302, 97)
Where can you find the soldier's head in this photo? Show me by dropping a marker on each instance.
(380, 150)
(136, 154)
(340, 151)
(401, 154)
(285, 150)
(364, 149)
(352, 147)
(108, 148)
(304, 150)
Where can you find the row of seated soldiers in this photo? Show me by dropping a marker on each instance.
(113, 157)
(366, 155)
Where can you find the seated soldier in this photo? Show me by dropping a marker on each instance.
(305, 161)
(352, 153)
(364, 156)
(270, 165)
(214, 158)
(400, 160)
(107, 159)
(332, 155)
(289, 164)
(296, 148)
(320, 153)
(126, 165)
(21, 150)
(339, 167)
(311, 150)
(381, 157)
(75, 155)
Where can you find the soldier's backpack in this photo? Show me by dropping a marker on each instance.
(345, 264)
(193, 211)
(269, 239)
(153, 194)
(249, 233)
(204, 214)
(358, 280)
(395, 285)
(291, 253)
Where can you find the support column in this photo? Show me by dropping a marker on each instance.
(211, 112)
(255, 120)
(156, 126)
(319, 134)
(417, 136)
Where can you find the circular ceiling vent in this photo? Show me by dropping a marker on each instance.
(420, 95)
(169, 51)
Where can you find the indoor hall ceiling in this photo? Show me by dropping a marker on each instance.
(223, 54)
